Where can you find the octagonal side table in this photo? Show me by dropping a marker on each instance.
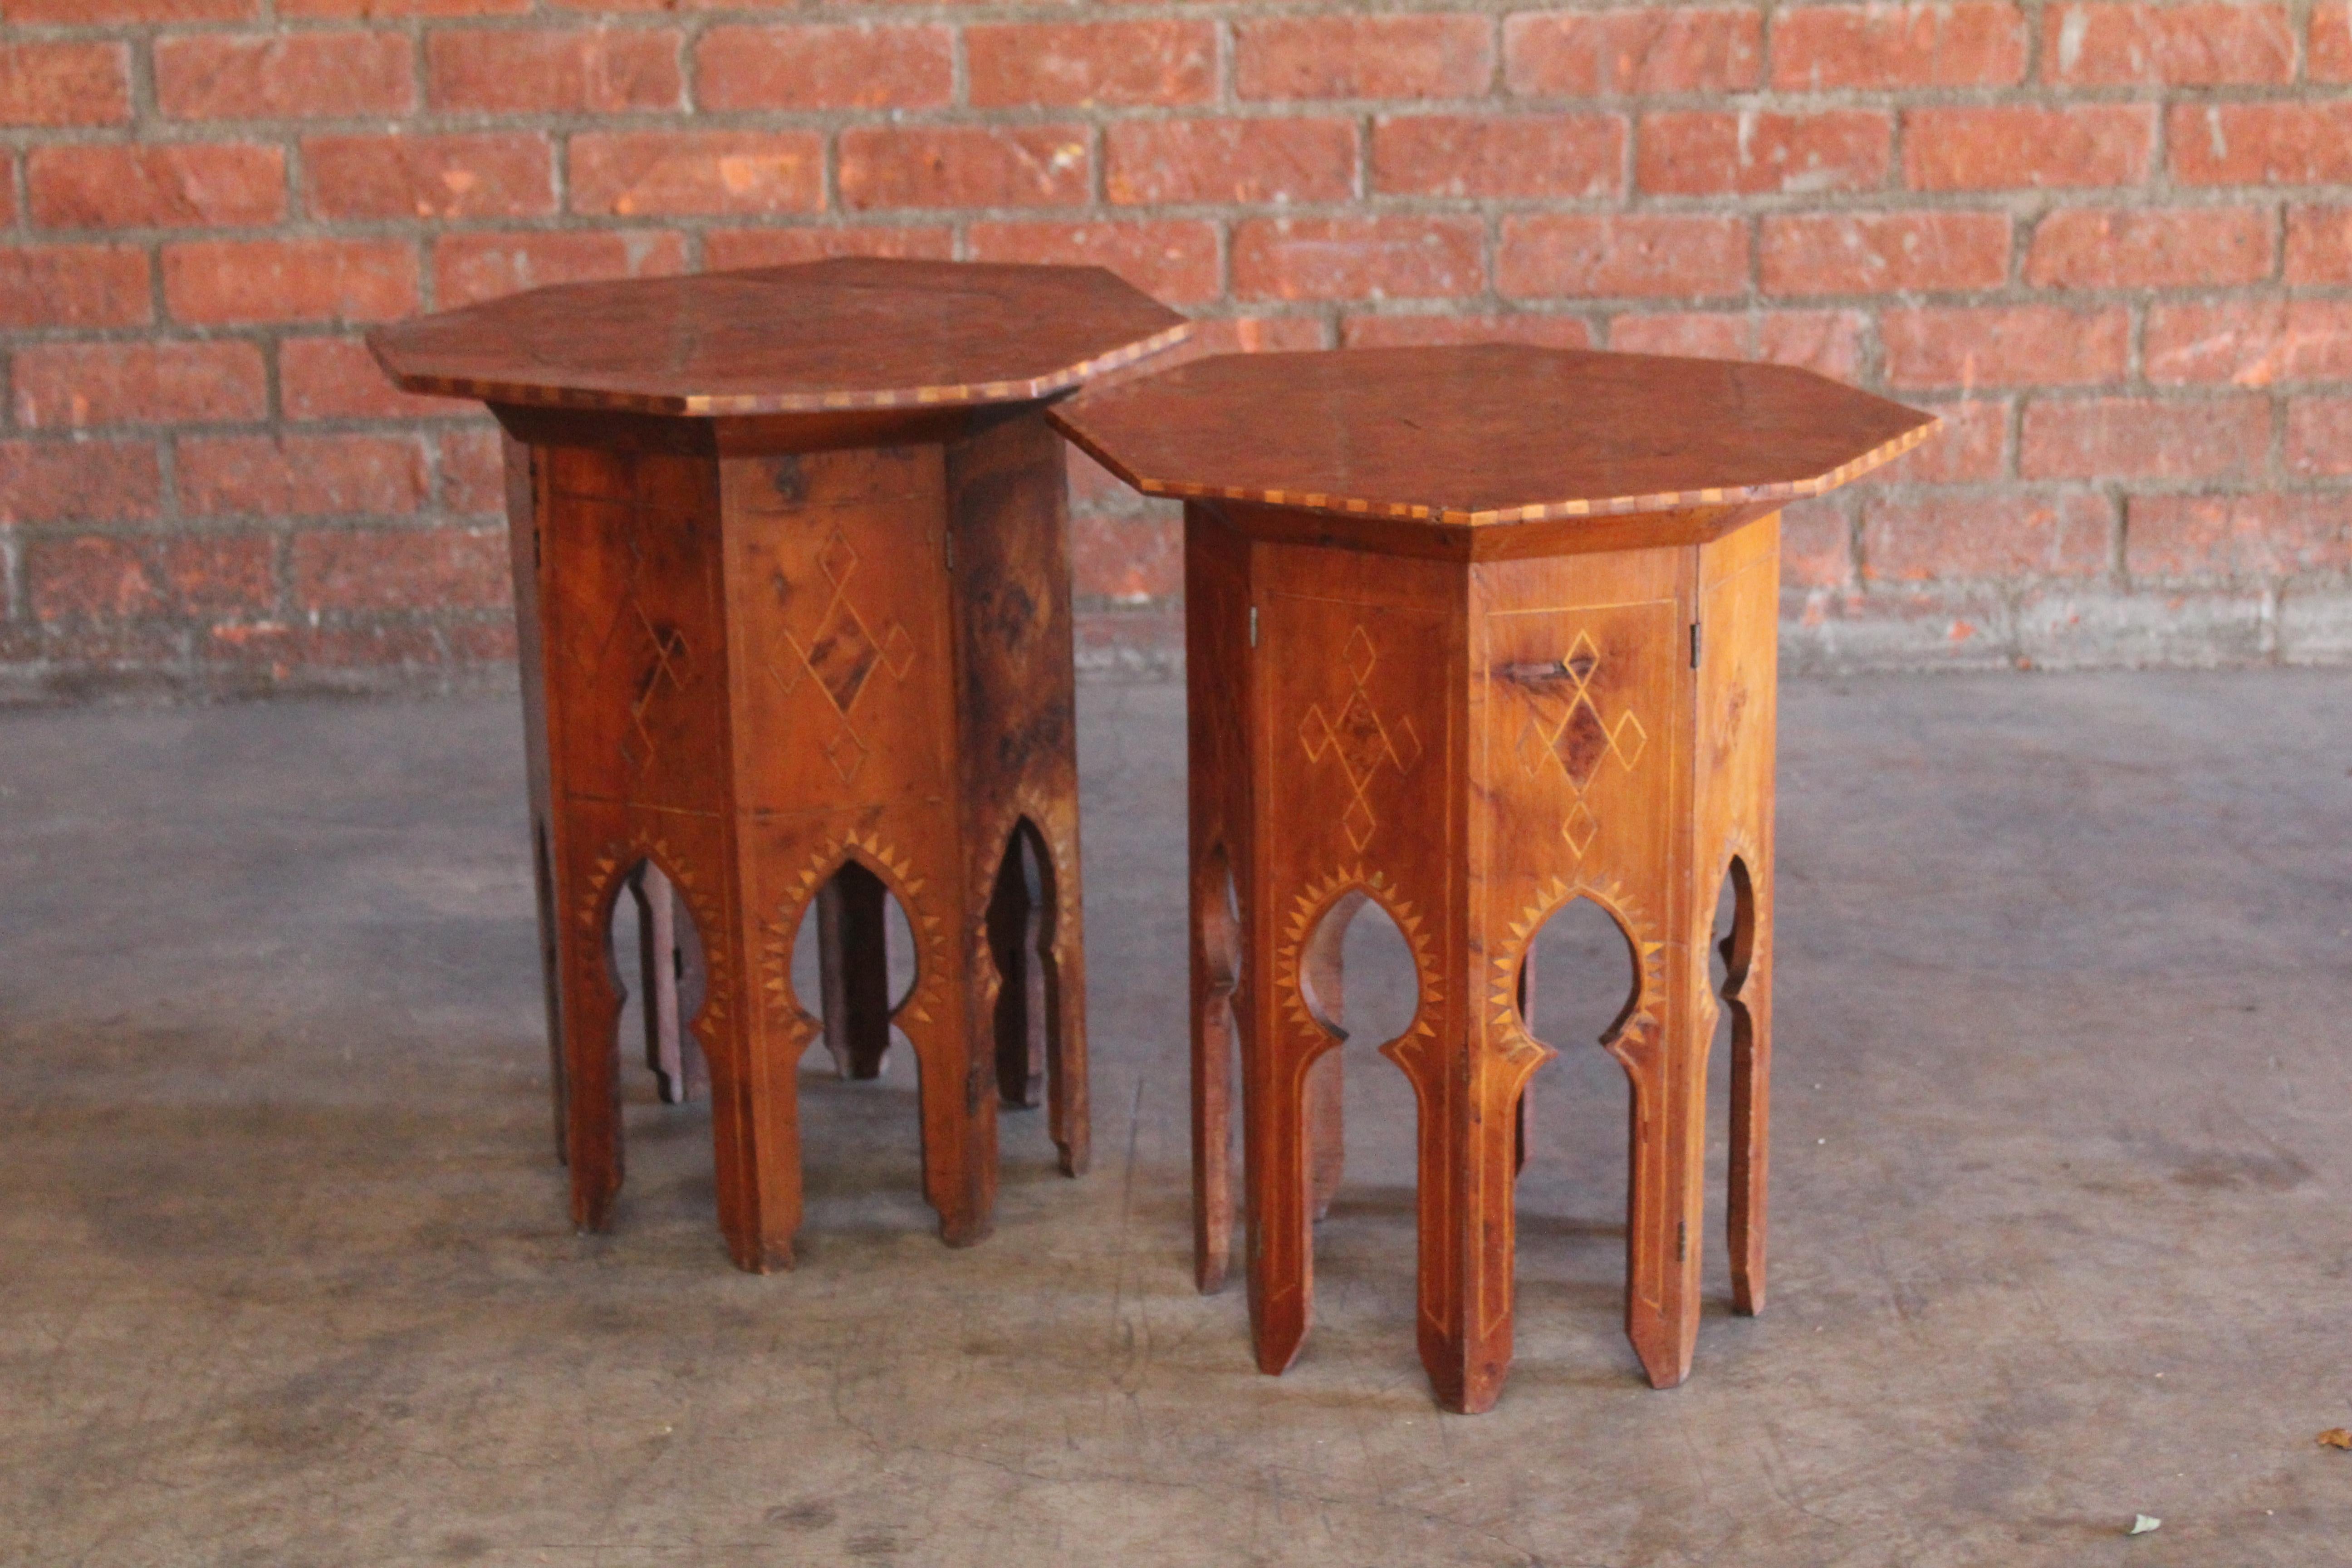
(1474, 633)
(793, 585)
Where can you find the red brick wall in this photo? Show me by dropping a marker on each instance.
(2111, 242)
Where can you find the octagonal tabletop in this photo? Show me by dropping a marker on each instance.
(1488, 433)
(852, 333)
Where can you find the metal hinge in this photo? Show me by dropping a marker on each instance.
(1252, 625)
(1694, 645)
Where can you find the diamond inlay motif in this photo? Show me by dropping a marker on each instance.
(1362, 740)
(667, 663)
(843, 654)
(1565, 725)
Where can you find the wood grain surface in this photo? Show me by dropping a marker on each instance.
(850, 333)
(1488, 434)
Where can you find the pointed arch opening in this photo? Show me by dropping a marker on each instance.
(1579, 987)
(1023, 914)
(651, 939)
(855, 954)
(1360, 981)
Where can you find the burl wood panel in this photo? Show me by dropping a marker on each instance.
(1474, 746)
(772, 679)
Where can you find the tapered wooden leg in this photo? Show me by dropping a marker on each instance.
(854, 970)
(590, 1015)
(1274, 1150)
(1747, 992)
(1059, 998)
(1666, 1202)
(1216, 971)
(1022, 1022)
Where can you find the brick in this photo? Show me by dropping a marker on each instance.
(467, 268)
(1996, 535)
(1816, 546)
(587, 70)
(1062, 64)
(2268, 536)
(2319, 245)
(64, 84)
(2021, 146)
(1357, 258)
(301, 475)
(1871, 253)
(2004, 345)
(284, 75)
(811, 68)
(660, 172)
(220, 282)
(400, 568)
(1704, 153)
(394, 10)
(100, 13)
(2319, 436)
(483, 639)
(1828, 341)
(1969, 446)
(1390, 57)
(1969, 43)
(156, 185)
(2331, 43)
(74, 286)
(1248, 335)
(2107, 44)
(473, 471)
(963, 166)
(257, 655)
(727, 249)
(1652, 49)
(1381, 331)
(1629, 255)
(121, 579)
(1565, 155)
(2143, 437)
(337, 378)
(2137, 247)
(75, 385)
(430, 177)
(2260, 144)
(1174, 261)
(1244, 160)
(2250, 343)
(1127, 560)
(79, 481)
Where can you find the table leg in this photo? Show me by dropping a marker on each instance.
(1747, 992)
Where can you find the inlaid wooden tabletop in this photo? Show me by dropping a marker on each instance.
(844, 334)
(1487, 433)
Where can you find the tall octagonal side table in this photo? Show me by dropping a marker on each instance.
(1474, 633)
(792, 579)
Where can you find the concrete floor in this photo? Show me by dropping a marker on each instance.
(2063, 1194)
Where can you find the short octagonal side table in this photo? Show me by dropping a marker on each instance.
(792, 578)
(1474, 633)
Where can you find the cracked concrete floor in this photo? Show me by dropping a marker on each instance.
(2063, 1202)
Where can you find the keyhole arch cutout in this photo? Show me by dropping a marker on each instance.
(649, 928)
(1358, 936)
(854, 955)
(1024, 911)
(1580, 980)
